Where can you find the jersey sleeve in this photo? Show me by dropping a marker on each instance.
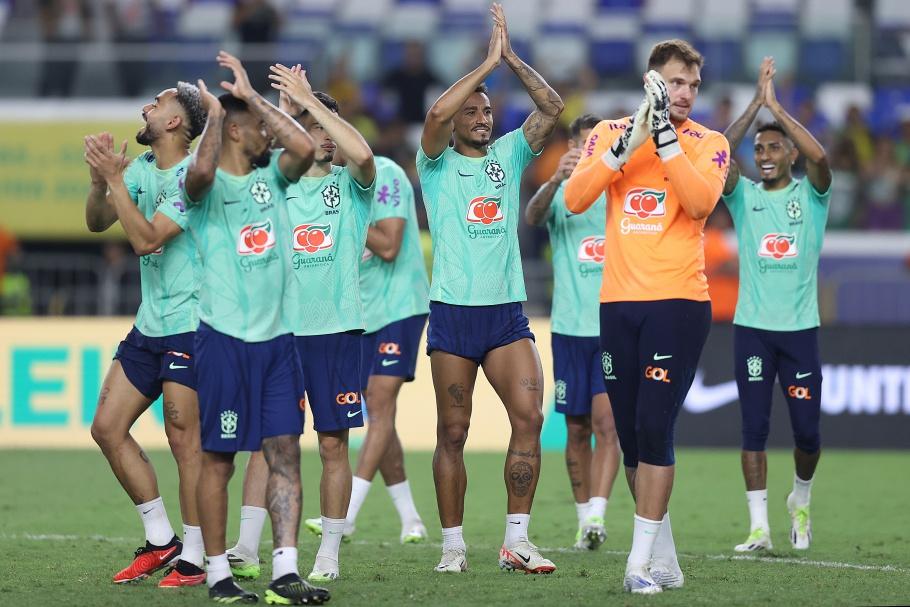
(132, 175)
(177, 210)
(518, 149)
(592, 176)
(275, 169)
(362, 197)
(428, 165)
(816, 196)
(393, 196)
(699, 181)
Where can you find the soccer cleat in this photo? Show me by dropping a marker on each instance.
(291, 590)
(148, 559)
(800, 525)
(453, 561)
(415, 533)
(182, 574)
(314, 526)
(639, 581)
(322, 577)
(228, 592)
(524, 556)
(243, 566)
(580, 543)
(593, 533)
(667, 576)
(759, 539)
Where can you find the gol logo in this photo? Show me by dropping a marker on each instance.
(348, 398)
(778, 246)
(485, 210)
(389, 348)
(591, 249)
(799, 392)
(312, 237)
(657, 374)
(645, 203)
(256, 238)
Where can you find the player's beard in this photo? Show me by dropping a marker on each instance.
(146, 136)
(262, 160)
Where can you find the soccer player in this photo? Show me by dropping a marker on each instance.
(581, 395)
(394, 290)
(655, 310)
(471, 191)
(157, 354)
(248, 370)
(780, 225)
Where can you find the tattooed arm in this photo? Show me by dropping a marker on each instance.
(200, 174)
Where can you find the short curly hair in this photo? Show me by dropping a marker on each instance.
(190, 99)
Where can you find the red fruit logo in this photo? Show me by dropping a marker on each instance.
(256, 238)
(591, 249)
(485, 210)
(312, 237)
(645, 203)
(778, 246)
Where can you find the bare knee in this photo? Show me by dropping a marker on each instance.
(452, 436)
(333, 448)
(605, 432)
(107, 431)
(528, 422)
(184, 443)
(217, 465)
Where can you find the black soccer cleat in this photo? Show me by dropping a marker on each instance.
(228, 592)
(290, 589)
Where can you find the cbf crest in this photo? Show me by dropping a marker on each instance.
(754, 368)
(495, 173)
(794, 210)
(229, 424)
(606, 361)
(331, 196)
(260, 192)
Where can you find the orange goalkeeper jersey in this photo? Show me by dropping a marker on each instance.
(654, 249)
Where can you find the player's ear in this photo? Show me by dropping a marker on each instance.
(174, 123)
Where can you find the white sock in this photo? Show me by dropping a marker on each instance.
(664, 549)
(598, 507)
(452, 538)
(644, 534)
(758, 509)
(802, 491)
(158, 530)
(581, 510)
(332, 531)
(284, 561)
(359, 490)
(516, 528)
(252, 520)
(217, 568)
(193, 548)
(404, 503)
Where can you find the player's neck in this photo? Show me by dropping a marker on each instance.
(234, 162)
(168, 153)
(469, 150)
(319, 169)
(778, 184)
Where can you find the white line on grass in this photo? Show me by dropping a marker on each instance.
(55, 537)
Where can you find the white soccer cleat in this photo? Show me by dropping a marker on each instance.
(524, 556)
(759, 539)
(314, 526)
(667, 576)
(800, 525)
(453, 561)
(322, 577)
(243, 565)
(593, 533)
(415, 533)
(639, 581)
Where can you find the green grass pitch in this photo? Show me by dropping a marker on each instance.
(66, 527)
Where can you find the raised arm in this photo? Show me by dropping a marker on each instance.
(200, 174)
(144, 236)
(99, 214)
(294, 84)
(817, 169)
(736, 132)
(540, 123)
(297, 143)
(437, 127)
(539, 206)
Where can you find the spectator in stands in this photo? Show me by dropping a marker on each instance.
(410, 82)
(132, 23)
(807, 114)
(845, 183)
(884, 184)
(62, 22)
(111, 280)
(902, 148)
(257, 24)
(857, 131)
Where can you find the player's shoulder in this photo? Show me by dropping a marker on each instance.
(700, 135)
(143, 162)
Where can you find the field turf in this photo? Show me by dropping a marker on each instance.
(66, 527)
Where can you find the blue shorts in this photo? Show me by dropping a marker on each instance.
(331, 370)
(149, 361)
(247, 391)
(791, 356)
(650, 354)
(472, 331)
(577, 373)
(392, 350)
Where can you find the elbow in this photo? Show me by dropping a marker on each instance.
(145, 248)
(365, 161)
(557, 107)
(699, 213)
(94, 227)
(435, 115)
(389, 254)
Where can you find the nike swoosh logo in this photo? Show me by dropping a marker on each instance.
(802, 375)
(353, 413)
(172, 366)
(227, 202)
(389, 363)
(570, 215)
(526, 559)
(662, 356)
(514, 523)
(147, 511)
(702, 398)
(292, 197)
(758, 208)
(463, 175)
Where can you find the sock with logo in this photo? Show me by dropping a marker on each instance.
(516, 528)
(284, 561)
(581, 510)
(664, 550)
(158, 530)
(332, 532)
(193, 549)
(644, 534)
(758, 509)
(252, 520)
(217, 568)
(452, 538)
(404, 503)
(802, 491)
(598, 507)
(359, 489)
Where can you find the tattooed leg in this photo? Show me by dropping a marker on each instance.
(181, 424)
(282, 453)
(578, 455)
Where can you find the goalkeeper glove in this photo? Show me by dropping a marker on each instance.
(635, 135)
(662, 131)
